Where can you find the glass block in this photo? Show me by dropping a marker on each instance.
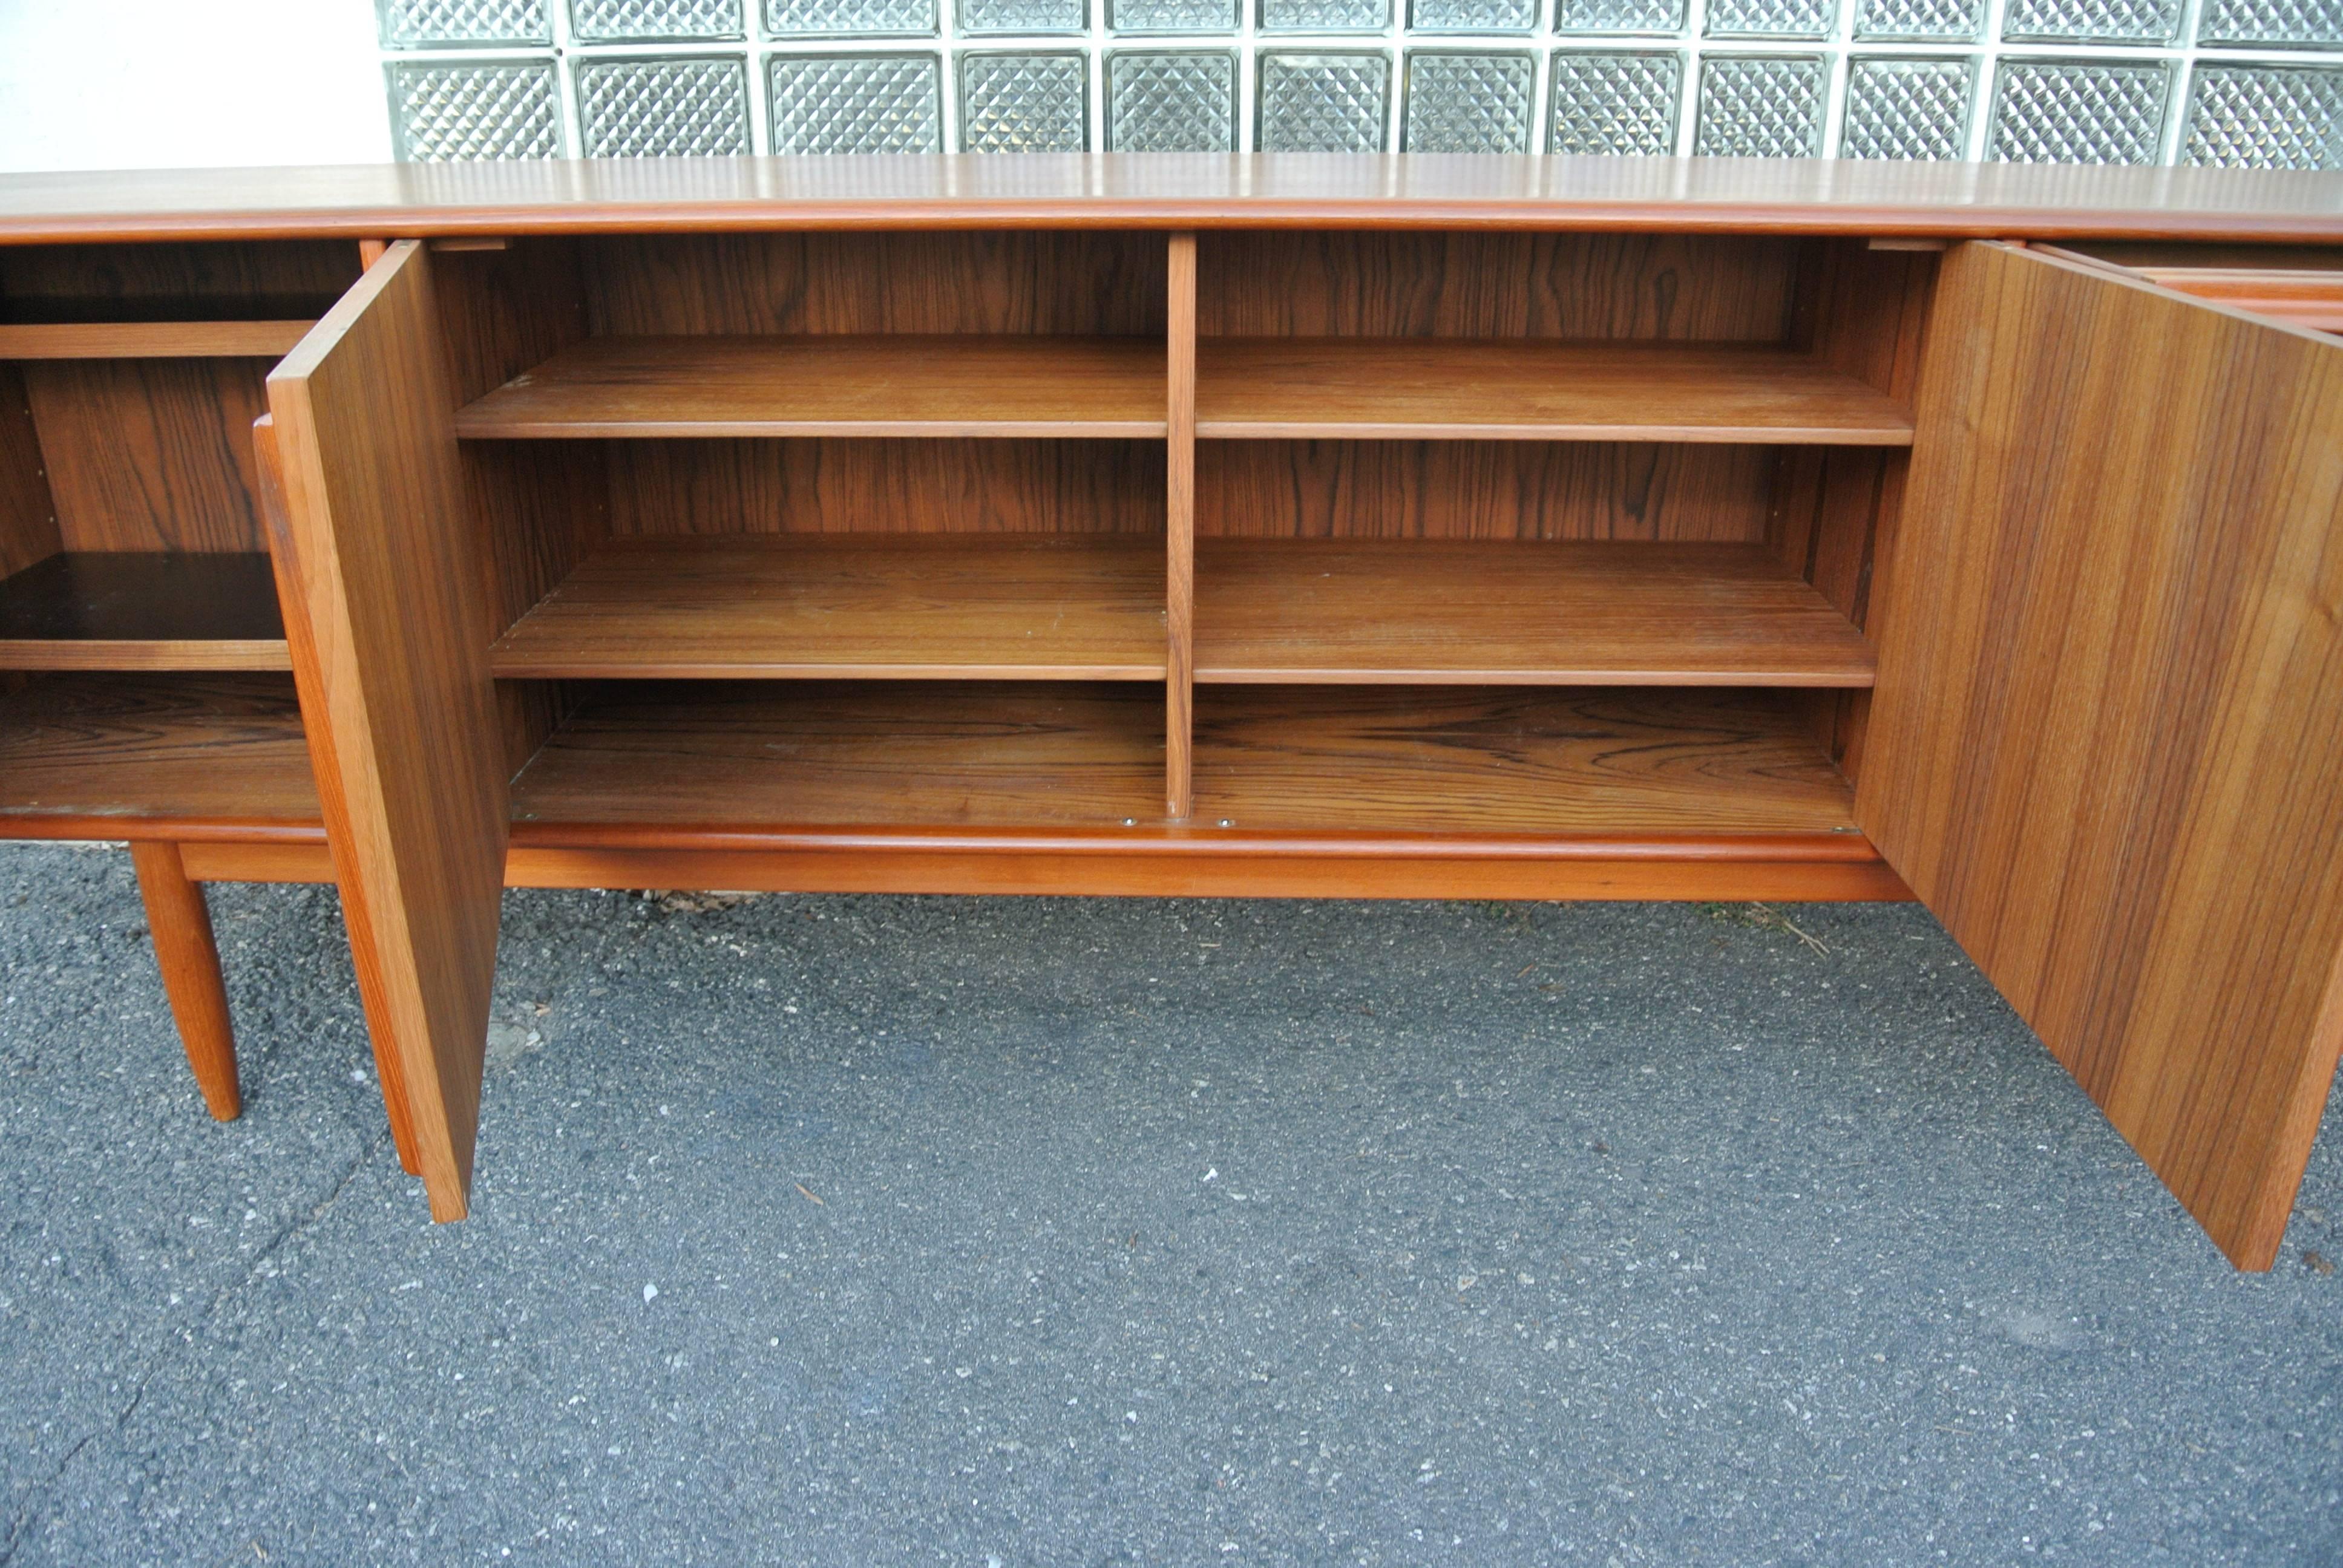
(1474, 15)
(1919, 21)
(653, 21)
(2282, 24)
(2091, 21)
(1325, 15)
(461, 111)
(1025, 103)
(1468, 103)
(1619, 15)
(1770, 19)
(1172, 16)
(2266, 117)
(1323, 103)
(849, 18)
(1908, 109)
(1024, 16)
(1172, 103)
(461, 23)
(2079, 112)
(857, 103)
(1614, 102)
(662, 108)
(1761, 106)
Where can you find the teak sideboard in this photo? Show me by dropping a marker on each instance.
(1289, 526)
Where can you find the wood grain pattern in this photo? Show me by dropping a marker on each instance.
(325, 765)
(1354, 283)
(150, 453)
(141, 611)
(1390, 612)
(279, 279)
(1179, 530)
(2105, 740)
(1470, 389)
(393, 575)
(181, 926)
(1060, 283)
(906, 385)
(28, 517)
(146, 756)
(1483, 490)
(1010, 486)
(1177, 191)
(1065, 607)
(152, 340)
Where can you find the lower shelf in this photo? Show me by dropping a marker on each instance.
(139, 609)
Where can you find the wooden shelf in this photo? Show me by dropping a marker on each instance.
(98, 609)
(932, 386)
(1037, 607)
(153, 755)
(1559, 761)
(1500, 612)
(1404, 389)
(152, 340)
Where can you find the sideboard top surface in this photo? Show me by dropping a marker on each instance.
(1175, 190)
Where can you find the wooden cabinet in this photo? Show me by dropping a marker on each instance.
(1229, 528)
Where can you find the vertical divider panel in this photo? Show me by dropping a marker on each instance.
(393, 588)
(28, 514)
(1179, 530)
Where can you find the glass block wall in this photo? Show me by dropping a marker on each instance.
(2256, 83)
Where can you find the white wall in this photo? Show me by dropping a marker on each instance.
(174, 83)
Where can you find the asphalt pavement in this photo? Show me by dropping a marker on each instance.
(988, 1231)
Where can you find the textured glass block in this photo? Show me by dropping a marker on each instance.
(1468, 103)
(2091, 21)
(1619, 15)
(1919, 21)
(651, 21)
(1770, 19)
(461, 23)
(662, 108)
(1025, 103)
(1908, 109)
(857, 103)
(1172, 16)
(1615, 104)
(1325, 15)
(1474, 15)
(2079, 112)
(2281, 23)
(452, 111)
(1172, 103)
(1024, 16)
(2266, 117)
(1323, 103)
(849, 18)
(1761, 106)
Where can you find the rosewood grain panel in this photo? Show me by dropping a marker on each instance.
(151, 756)
(150, 453)
(1683, 288)
(28, 517)
(393, 582)
(1393, 612)
(639, 387)
(283, 280)
(1469, 389)
(2105, 742)
(1062, 607)
(1483, 489)
(1055, 283)
(883, 486)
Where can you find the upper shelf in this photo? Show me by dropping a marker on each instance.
(1415, 388)
(839, 386)
(151, 340)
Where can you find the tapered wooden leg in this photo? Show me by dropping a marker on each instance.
(191, 973)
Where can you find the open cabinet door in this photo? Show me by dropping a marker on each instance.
(396, 694)
(2107, 743)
